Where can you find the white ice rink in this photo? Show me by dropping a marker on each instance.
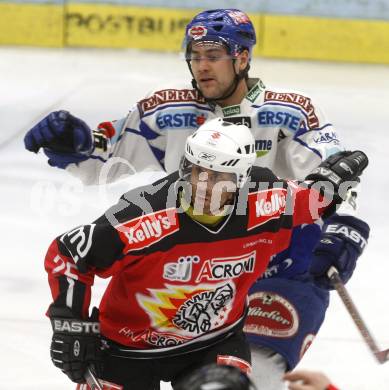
(38, 202)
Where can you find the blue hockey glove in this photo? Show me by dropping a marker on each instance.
(65, 139)
(343, 239)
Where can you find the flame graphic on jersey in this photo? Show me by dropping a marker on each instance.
(163, 304)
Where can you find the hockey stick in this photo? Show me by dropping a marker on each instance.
(92, 381)
(336, 281)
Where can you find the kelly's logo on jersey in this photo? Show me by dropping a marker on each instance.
(148, 229)
(169, 96)
(226, 267)
(266, 205)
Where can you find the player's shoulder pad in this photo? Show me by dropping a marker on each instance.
(145, 200)
(145, 216)
(172, 95)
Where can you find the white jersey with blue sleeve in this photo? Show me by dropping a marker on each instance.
(292, 136)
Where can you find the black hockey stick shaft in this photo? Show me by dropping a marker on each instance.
(336, 281)
(92, 381)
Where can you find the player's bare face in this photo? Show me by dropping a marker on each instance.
(213, 69)
(211, 190)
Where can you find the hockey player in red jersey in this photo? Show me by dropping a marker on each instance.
(292, 137)
(183, 254)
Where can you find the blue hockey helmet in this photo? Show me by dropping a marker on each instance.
(231, 27)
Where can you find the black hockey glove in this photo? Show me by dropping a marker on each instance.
(340, 168)
(214, 376)
(75, 345)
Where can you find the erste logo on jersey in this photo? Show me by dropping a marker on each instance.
(280, 117)
(180, 120)
(266, 205)
(299, 100)
(148, 229)
(169, 96)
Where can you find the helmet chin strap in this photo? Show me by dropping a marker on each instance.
(230, 90)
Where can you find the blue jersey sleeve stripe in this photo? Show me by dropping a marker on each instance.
(145, 131)
(98, 158)
(304, 130)
(149, 134)
(159, 155)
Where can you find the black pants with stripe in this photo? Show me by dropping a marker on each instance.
(146, 374)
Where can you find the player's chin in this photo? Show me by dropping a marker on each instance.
(209, 91)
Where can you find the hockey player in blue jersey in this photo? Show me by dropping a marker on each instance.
(292, 137)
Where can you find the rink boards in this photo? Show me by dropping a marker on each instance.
(58, 24)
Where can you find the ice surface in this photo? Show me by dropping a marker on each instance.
(38, 202)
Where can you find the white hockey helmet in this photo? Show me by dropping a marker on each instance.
(220, 146)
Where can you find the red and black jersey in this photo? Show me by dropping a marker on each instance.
(175, 282)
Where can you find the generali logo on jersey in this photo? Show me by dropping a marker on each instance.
(266, 205)
(170, 96)
(299, 100)
(148, 229)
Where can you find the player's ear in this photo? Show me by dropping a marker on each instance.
(244, 60)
